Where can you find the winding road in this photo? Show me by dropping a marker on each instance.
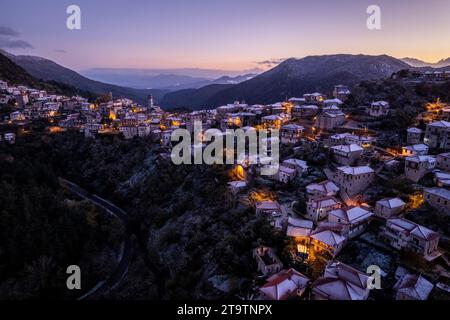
(120, 271)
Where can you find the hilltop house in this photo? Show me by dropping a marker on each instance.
(403, 234)
(285, 174)
(438, 198)
(414, 135)
(324, 188)
(411, 286)
(443, 161)
(272, 121)
(267, 261)
(341, 282)
(305, 111)
(415, 150)
(296, 101)
(284, 285)
(389, 207)
(378, 109)
(348, 138)
(314, 97)
(328, 237)
(317, 208)
(328, 120)
(442, 178)
(298, 228)
(354, 180)
(354, 219)
(417, 166)
(341, 92)
(299, 166)
(268, 208)
(347, 154)
(332, 102)
(291, 133)
(437, 135)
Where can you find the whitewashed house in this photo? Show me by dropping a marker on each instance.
(354, 180)
(341, 92)
(317, 208)
(378, 109)
(305, 111)
(328, 120)
(415, 150)
(332, 102)
(324, 188)
(328, 237)
(403, 234)
(285, 174)
(291, 133)
(299, 166)
(437, 135)
(442, 179)
(443, 161)
(414, 135)
(412, 287)
(284, 285)
(299, 228)
(417, 167)
(341, 282)
(354, 219)
(268, 208)
(438, 198)
(347, 154)
(389, 207)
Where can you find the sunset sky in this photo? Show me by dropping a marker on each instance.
(220, 34)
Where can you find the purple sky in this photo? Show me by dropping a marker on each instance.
(220, 34)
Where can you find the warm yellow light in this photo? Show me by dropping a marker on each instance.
(261, 195)
(238, 173)
(112, 116)
(55, 129)
(416, 200)
(302, 248)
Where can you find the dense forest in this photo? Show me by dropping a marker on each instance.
(187, 228)
(43, 230)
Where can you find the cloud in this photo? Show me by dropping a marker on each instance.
(9, 39)
(14, 44)
(6, 31)
(271, 62)
(60, 51)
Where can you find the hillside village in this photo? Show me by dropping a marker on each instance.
(358, 201)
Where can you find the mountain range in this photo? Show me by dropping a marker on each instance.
(421, 64)
(16, 75)
(47, 70)
(292, 77)
(167, 79)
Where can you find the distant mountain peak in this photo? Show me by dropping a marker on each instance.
(420, 63)
(292, 78)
